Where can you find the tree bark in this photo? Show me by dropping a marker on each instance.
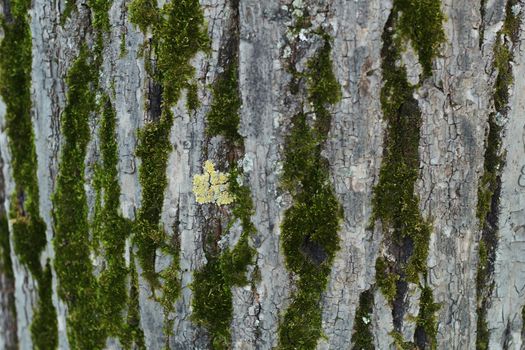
(468, 111)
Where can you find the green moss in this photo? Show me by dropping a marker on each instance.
(100, 11)
(309, 229)
(192, 98)
(143, 13)
(362, 337)
(123, 46)
(28, 228)
(421, 22)
(96, 305)
(6, 266)
(77, 285)
(400, 342)
(490, 181)
(170, 276)
(426, 319)
(134, 338)
(212, 303)
(223, 118)
(223, 271)
(394, 202)
(323, 88)
(385, 279)
(301, 324)
(5, 246)
(178, 34)
(226, 269)
(71, 5)
(28, 235)
(109, 227)
(482, 13)
(181, 35)
(153, 148)
(44, 326)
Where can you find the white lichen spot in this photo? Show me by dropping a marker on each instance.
(211, 186)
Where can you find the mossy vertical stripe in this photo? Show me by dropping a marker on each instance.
(394, 202)
(28, 228)
(309, 231)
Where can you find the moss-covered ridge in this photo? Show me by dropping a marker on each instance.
(178, 33)
(28, 228)
(309, 231)
(77, 284)
(96, 304)
(224, 269)
(394, 202)
(490, 182)
(109, 231)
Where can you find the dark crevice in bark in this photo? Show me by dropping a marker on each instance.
(402, 252)
(482, 12)
(154, 105)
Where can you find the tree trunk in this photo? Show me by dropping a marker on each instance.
(247, 174)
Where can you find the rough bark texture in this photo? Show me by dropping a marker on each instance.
(463, 295)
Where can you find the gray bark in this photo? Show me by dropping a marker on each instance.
(455, 104)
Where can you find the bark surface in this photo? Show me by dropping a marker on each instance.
(368, 167)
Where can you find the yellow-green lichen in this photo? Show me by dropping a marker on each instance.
(211, 186)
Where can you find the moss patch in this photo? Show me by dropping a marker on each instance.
(134, 338)
(28, 228)
(6, 265)
(386, 278)
(223, 118)
(426, 322)
(44, 325)
(421, 22)
(309, 229)
(212, 303)
(362, 337)
(153, 148)
(109, 227)
(77, 285)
